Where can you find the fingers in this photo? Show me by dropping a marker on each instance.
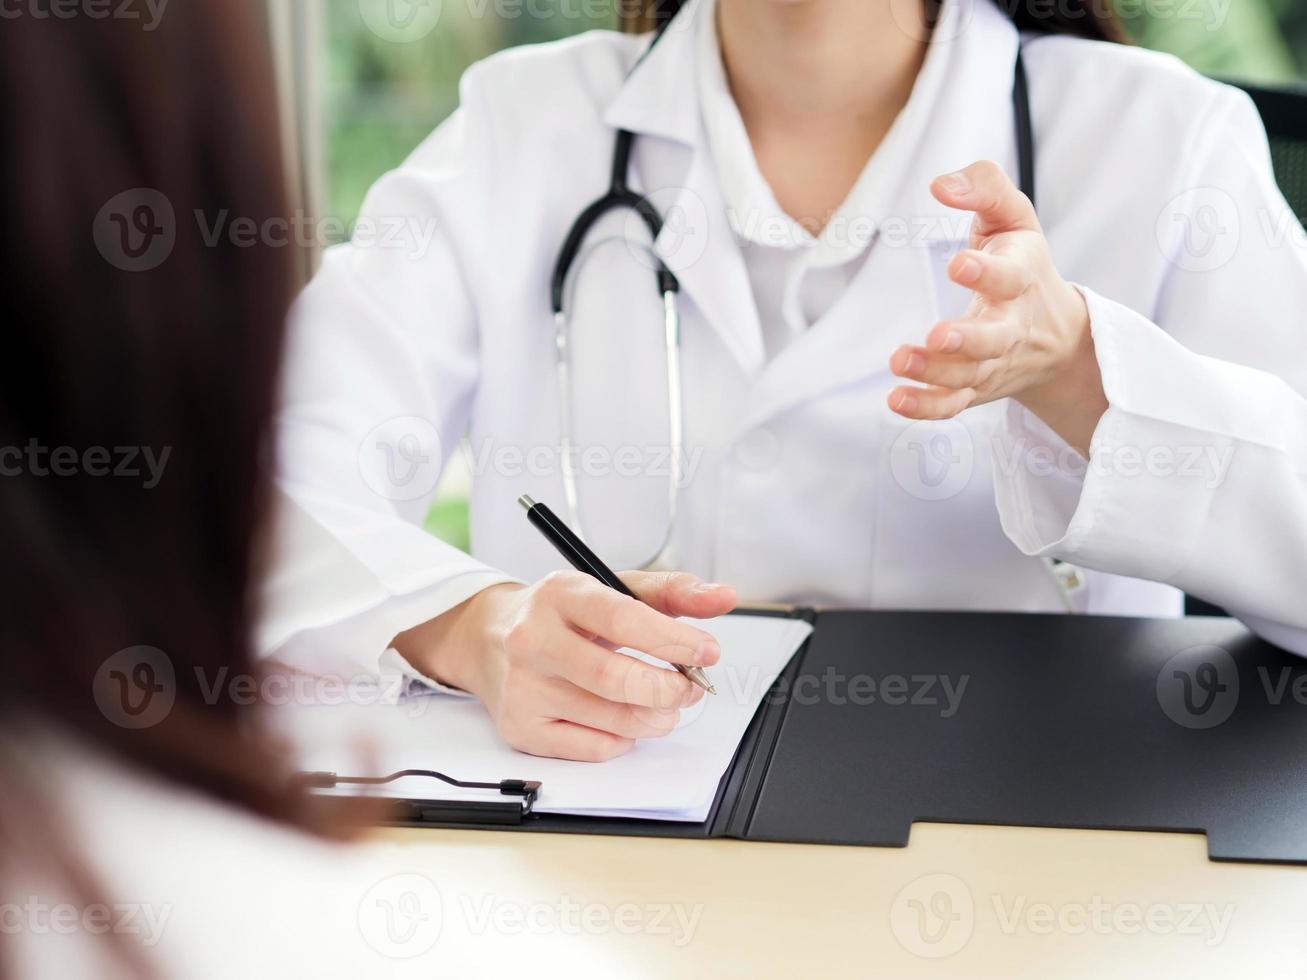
(681, 594)
(555, 688)
(945, 370)
(930, 403)
(985, 189)
(566, 702)
(566, 740)
(613, 676)
(598, 611)
(975, 339)
(995, 276)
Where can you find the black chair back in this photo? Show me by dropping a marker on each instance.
(1284, 114)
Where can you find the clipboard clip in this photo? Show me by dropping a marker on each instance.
(444, 811)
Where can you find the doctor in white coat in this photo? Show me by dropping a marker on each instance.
(904, 386)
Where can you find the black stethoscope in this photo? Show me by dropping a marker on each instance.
(619, 196)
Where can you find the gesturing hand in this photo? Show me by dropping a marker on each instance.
(542, 659)
(1025, 334)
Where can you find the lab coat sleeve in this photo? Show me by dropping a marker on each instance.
(381, 370)
(1197, 473)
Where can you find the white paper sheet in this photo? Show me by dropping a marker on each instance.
(669, 778)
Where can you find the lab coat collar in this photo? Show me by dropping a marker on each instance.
(657, 98)
(672, 168)
(971, 120)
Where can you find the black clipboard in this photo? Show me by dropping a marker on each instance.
(1187, 725)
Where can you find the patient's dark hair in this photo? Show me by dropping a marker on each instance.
(136, 388)
(1094, 19)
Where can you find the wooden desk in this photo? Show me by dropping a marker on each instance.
(1001, 902)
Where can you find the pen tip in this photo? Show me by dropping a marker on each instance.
(526, 502)
(697, 675)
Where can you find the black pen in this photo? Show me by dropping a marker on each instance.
(583, 559)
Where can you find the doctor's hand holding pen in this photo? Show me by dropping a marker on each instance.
(540, 658)
(1026, 333)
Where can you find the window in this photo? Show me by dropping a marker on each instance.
(387, 73)
(393, 67)
(1262, 41)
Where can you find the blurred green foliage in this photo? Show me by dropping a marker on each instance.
(1253, 40)
(383, 97)
(447, 520)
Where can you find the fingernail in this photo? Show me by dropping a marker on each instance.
(710, 652)
(906, 402)
(968, 270)
(703, 587)
(952, 341)
(958, 183)
(915, 364)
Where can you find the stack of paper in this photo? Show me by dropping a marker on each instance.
(669, 778)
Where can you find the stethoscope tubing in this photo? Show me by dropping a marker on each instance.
(619, 196)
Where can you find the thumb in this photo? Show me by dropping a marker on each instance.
(985, 189)
(681, 594)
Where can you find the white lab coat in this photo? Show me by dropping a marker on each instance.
(1154, 187)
